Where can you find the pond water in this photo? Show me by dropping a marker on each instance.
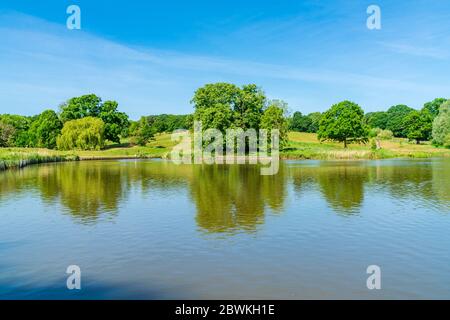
(153, 230)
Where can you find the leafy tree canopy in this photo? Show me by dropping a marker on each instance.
(249, 107)
(433, 106)
(377, 119)
(169, 122)
(224, 105)
(115, 122)
(343, 122)
(91, 105)
(274, 118)
(80, 107)
(441, 126)
(7, 133)
(396, 116)
(300, 122)
(141, 131)
(418, 125)
(315, 121)
(82, 134)
(21, 125)
(44, 130)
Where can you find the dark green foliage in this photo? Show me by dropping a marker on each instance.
(224, 105)
(44, 130)
(419, 125)
(433, 106)
(249, 107)
(343, 122)
(300, 122)
(274, 118)
(315, 121)
(141, 131)
(377, 119)
(91, 105)
(396, 119)
(169, 122)
(21, 124)
(79, 107)
(115, 122)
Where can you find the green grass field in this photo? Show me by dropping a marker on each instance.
(301, 146)
(306, 146)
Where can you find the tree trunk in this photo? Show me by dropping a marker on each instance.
(345, 143)
(378, 144)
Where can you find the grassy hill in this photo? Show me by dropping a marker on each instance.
(306, 146)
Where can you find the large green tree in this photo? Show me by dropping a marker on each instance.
(82, 134)
(91, 105)
(343, 122)
(80, 107)
(141, 131)
(7, 133)
(274, 118)
(418, 125)
(249, 107)
(45, 129)
(214, 105)
(433, 106)
(115, 122)
(377, 119)
(441, 126)
(315, 121)
(225, 105)
(300, 122)
(396, 119)
(21, 124)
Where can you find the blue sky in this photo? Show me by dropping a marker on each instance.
(150, 56)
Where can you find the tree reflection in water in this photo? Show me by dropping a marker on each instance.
(228, 199)
(233, 198)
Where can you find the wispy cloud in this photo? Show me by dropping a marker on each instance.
(43, 64)
(419, 51)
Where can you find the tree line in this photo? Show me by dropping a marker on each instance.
(86, 122)
(430, 123)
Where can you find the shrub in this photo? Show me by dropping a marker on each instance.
(373, 144)
(141, 132)
(385, 134)
(374, 132)
(447, 141)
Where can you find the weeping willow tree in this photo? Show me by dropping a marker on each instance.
(82, 134)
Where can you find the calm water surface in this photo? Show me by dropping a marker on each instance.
(154, 230)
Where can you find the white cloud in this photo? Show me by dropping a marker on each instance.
(43, 64)
(420, 51)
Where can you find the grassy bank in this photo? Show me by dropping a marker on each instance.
(306, 146)
(301, 146)
(18, 159)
